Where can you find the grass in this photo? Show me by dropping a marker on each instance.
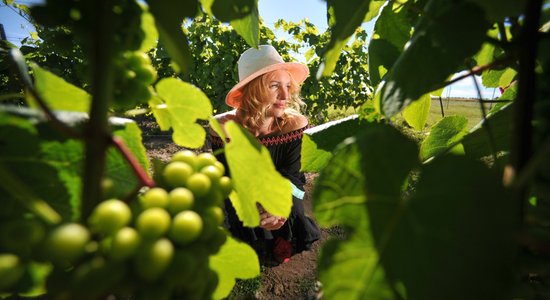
(245, 288)
(466, 108)
(451, 107)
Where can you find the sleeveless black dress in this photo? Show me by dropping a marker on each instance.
(299, 229)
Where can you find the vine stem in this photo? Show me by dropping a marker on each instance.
(97, 135)
(476, 70)
(521, 144)
(130, 158)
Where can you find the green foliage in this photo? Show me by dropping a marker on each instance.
(183, 104)
(444, 136)
(318, 145)
(58, 94)
(233, 261)
(420, 224)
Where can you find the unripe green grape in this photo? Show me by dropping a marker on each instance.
(199, 184)
(129, 74)
(95, 277)
(67, 243)
(153, 222)
(109, 216)
(153, 259)
(124, 243)
(107, 187)
(180, 199)
(186, 156)
(212, 172)
(186, 227)
(147, 74)
(205, 159)
(176, 173)
(225, 185)
(213, 198)
(11, 270)
(215, 213)
(136, 59)
(155, 197)
(220, 167)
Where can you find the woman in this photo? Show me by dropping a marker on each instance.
(267, 103)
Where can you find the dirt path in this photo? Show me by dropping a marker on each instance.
(295, 279)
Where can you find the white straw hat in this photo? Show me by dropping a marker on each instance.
(255, 62)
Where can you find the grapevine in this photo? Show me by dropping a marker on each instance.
(149, 244)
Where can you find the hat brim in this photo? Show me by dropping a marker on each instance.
(299, 72)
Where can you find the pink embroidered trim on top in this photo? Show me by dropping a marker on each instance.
(273, 140)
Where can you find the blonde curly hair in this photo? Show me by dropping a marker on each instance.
(252, 111)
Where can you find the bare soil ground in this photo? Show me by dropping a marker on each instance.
(295, 279)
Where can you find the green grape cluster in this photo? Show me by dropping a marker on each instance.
(134, 74)
(156, 247)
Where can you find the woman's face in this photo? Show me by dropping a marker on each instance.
(279, 85)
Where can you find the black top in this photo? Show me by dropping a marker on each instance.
(285, 150)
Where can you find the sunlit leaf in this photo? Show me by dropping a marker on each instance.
(151, 33)
(185, 105)
(59, 94)
(245, 156)
(417, 113)
(249, 27)
(445, 136)
(161, 113)
(234, 260)
(243, 16)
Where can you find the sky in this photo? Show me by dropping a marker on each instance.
(17, 28)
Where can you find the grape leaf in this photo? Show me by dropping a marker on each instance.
(450, 214)
(431, 56)
(360, 171)
(465, 213)
(444, 134)
(417, 113)
(243, 16)
(234, 260)
(497, 10)
(169, 17)
(185, 104)
(345, 17)
(391, 32)
(319, 142)
(161, 114)
(59, 94)
(249, 27)
(477, 144)
(246, 156)
(350, 270)
(151, 33)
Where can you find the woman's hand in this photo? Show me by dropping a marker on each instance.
(269, 221)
